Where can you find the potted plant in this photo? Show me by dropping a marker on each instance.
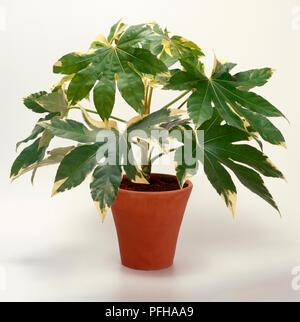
(148, 208)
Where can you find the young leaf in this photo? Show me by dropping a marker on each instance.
(113, 59)
(116, 31)
(155, 120)
(104, 186)
(128, 163)
(176, 48)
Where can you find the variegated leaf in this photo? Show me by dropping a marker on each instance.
(113, 59)
(69, 129)
(219, 151)
(223, 91)
(75, 167)
(26, 158)
(55, 156)
(104, 186)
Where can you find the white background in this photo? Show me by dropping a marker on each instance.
(57, 249)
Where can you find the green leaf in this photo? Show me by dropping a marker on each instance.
(69, 129)
(128, 162)
(248, 155)
(35, 132)
(219, 151)
(75, 167)
(137, 34)
(99, 42)
(253, 181)
(43, 145)
(181, 81)
(111, 60)
(190, 78)
(199, 105)
(147, 63)
(116, 31)
(104, 95)
(145, 128)
(27, 157)
(235, 106)
(104, 187)
(253, 78)
(155, 120)
(62, 82)
(155, 46)
(263, 126)
(82, 83)
(250, 100)
(221, 68)
(224, 109)
(30, 102)
(185, 169)
(177, 47)
(55, 156)
(54, 102)
(221, 181)
(132, 90)
(72, 63)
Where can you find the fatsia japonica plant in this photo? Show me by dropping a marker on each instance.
(136, 60)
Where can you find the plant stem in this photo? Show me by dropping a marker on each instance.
(95, 112)
(150, 97)
(145, 146)
(117, 119)
(182, 104)
(146, 106)
(151, 88)
(177, 99)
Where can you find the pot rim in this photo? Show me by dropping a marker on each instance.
(188, 182)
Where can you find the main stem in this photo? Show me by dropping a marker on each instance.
(95, 112)
(145, 153)
(145, 146)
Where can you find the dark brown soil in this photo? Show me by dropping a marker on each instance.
(157, 183)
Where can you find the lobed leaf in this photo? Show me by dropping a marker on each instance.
(101, 62)
(222, 91)
(219, 151)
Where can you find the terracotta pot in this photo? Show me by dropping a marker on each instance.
(148, 224)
